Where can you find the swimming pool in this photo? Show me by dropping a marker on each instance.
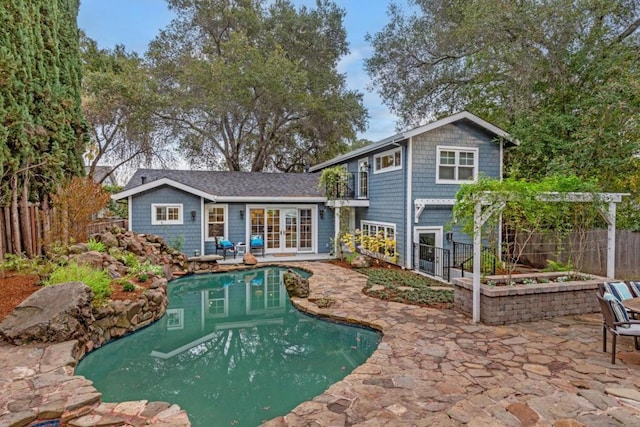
(231, 350)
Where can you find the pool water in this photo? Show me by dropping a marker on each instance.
(231, 350)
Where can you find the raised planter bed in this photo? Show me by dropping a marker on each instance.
(507, 304)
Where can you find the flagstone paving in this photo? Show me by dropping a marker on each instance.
(432, 368)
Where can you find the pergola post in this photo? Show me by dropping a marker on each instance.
(611, 241)
(477, 249)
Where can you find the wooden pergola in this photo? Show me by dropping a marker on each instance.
(485, 208)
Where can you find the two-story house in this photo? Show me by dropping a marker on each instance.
(402, 187)
(405, 185)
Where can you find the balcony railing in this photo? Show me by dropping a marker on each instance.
(353, 186)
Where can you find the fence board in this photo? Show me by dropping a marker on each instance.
(593, 250)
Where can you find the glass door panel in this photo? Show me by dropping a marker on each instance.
(273, 229)
(290, 217)
(257, 222)
(305, 243)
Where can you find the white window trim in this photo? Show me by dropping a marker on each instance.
(205, 221)
(384, 154)
(179, 221)
(476, 166)
(380, 224)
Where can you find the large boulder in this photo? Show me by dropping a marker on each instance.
(52, 314)
(296, 285)
(92, 259)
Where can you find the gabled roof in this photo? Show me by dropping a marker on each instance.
(224, 186)
(404, 135)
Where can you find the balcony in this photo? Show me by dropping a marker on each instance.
(353, 190)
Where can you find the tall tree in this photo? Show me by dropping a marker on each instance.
(561, 75)
(119, 102)
(41, 124)
(248, 86)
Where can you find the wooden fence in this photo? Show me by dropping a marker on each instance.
(43, 227)
(588, 252)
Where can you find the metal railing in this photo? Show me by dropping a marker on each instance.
(354, 186)
(463, 258)
(432, 260)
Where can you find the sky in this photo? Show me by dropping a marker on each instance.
(134, 23)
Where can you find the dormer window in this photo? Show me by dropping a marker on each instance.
(388, 161)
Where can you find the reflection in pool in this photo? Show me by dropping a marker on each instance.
(231, 350)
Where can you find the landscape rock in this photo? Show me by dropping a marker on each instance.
(51, 314)
(296, 285)
(249, 259)
(91, 258)
(361, 261)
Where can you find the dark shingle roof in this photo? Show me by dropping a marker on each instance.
(236, 184)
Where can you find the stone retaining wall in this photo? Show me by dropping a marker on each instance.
(119, 318)
(501, 305)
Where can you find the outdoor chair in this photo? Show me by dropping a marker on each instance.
(617, 322)
(256, 243)
(225, 246)
(635, 287)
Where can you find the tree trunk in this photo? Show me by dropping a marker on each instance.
(26, 218)
(46, 223)
(15, 218)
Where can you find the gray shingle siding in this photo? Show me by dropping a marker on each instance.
(189, 233)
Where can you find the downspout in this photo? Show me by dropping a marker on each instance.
(408, 261)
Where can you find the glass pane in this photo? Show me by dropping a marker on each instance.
(257, 222)
(291, 228)
(447, 158)
(466, 159)
(161, 214)
(465, 174)
(446, 172)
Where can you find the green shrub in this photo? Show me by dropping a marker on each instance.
(130, 260)
(97, 280)
(143, 277)
(147, 267)
(128, 287)
(94, 245)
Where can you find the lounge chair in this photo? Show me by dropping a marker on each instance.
(257, 243)
(616, 320)
(225, 246)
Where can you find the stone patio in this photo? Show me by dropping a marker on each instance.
(432, 368)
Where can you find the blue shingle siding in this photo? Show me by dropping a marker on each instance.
(456, 135)
(459, 134)
(387, 201)
(325, 229)
(189, 234)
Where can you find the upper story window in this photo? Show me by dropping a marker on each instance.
(387, 161)
(457, 165)
(216, 217)
(166, 214)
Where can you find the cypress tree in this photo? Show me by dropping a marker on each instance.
(42, 132)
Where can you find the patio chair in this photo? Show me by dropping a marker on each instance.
(225, 245)
(256, 242)
(635, 287)
(617, 322)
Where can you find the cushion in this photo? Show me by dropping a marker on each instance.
(619, 312)
(226, 244)
(619, 290)
(608, 296)
(633, 330)
(635, 287)
(256, 241)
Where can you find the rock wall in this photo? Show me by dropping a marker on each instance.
(64, 312)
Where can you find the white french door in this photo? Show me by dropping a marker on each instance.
(284, 229)
(428, 244)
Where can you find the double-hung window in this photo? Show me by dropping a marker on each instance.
(166, 214)
(457, 165)
(388, 161)
(216, 221)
